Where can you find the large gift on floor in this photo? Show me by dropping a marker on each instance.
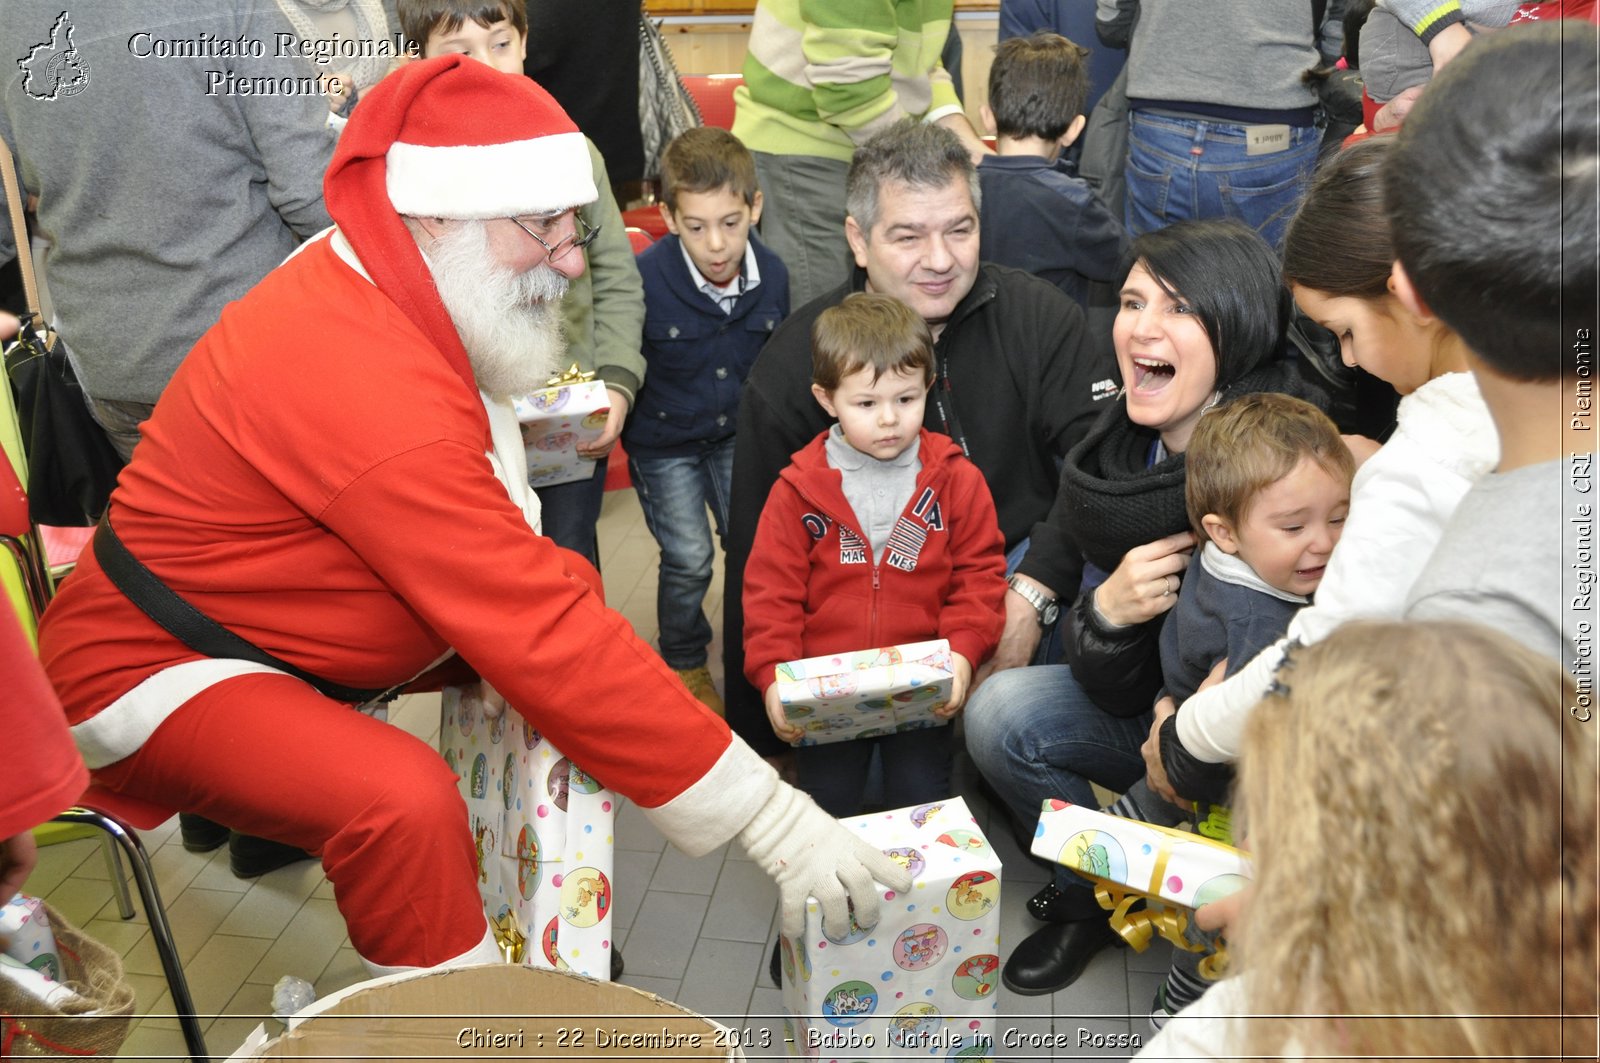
(543, 830)
(864, 693)
(924, 983)
(1149, 878)
(572, 410)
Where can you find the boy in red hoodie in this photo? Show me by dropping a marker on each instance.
(878, 533)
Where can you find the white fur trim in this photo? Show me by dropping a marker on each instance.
(720, 804)
(485, 951)
(120, 728)
(537, 176)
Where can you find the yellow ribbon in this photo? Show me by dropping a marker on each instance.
(571, 375)
(509, 937)
(1137, 927)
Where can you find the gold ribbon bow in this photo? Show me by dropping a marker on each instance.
(509, 937)
(571, 375)
(1138, 926)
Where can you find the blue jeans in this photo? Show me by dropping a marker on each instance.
(1181, 168)
(916, 770)
(1035, 734)
(674, 494)
(569, 512)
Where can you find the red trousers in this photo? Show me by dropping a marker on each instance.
(269, 756)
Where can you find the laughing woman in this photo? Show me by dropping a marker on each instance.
(1202, 319)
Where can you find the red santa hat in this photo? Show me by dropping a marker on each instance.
(448, 137)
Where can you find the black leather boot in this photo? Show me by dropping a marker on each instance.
(1054, 956)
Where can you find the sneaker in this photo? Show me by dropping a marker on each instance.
(698, 680)
(1160, 1011)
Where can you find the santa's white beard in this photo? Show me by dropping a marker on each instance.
(509, 323)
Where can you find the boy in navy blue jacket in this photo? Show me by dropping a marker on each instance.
(712, 296)
(1037, 215)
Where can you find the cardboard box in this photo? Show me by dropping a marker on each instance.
(543, 833)
(865, 693)
(1129, 860)
(923, 983)
(555, 420)
(498, 1011)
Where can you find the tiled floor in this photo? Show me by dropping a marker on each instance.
(694, 931)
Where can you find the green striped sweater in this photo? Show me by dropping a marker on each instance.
(822, 76)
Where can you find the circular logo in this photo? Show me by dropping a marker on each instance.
(550, 399)
(497, 729)
(528, 869)
(558, 782)
(920, 814)
(907, 857)
(914, 1025)
(827, 687)
(787, 951)
(547, 945)
(480, 776)
(849, 1002)
(597, 419)
(450, 762)
(508, 781)
(466, 716)
(977, 978)
(973, 895)
(530, 737)
(1094, 852)
(965, 840)
(852, 933)
(920, 947)
(585, 897)
(580, 781)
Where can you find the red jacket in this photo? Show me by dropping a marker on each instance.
(811, 586)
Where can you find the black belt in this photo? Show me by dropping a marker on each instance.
(198, 631)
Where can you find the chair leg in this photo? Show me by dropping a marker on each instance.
(160, 931)
(119, 883)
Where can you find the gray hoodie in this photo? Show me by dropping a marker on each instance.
(166, 186)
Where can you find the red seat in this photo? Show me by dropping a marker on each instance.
(713, 94)
(639, 238)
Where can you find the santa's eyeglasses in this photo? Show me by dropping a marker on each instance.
(583, 234)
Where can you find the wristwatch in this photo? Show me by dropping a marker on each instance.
(1047, 608)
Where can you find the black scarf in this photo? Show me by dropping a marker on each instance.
(1114, 499)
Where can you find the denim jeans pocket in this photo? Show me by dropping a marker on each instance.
(1147, 195)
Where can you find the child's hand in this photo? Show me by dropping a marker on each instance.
(1155, 770)
(778, 719)
(962, 669)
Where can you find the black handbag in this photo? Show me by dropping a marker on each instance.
(71, 465)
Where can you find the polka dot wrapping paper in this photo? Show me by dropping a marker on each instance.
(922, 984)
(1131, 860)
(865, 693)
(542, 829)
(554, 422)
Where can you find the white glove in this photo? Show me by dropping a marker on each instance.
(809, 854)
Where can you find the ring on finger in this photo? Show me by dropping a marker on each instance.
(1167, 584)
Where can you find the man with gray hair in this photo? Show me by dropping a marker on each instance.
(1015, 384)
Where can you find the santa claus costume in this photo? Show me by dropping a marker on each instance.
(323, 478)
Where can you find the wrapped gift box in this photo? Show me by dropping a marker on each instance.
(867, 692)
(1129, 860)
(924, 983)
(555, 420)
(543, 832)
(26, 937)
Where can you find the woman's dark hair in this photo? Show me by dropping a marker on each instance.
(1227, 274)
(1338, 242)
(1355, 17)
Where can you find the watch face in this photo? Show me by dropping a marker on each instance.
(1048, 615)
